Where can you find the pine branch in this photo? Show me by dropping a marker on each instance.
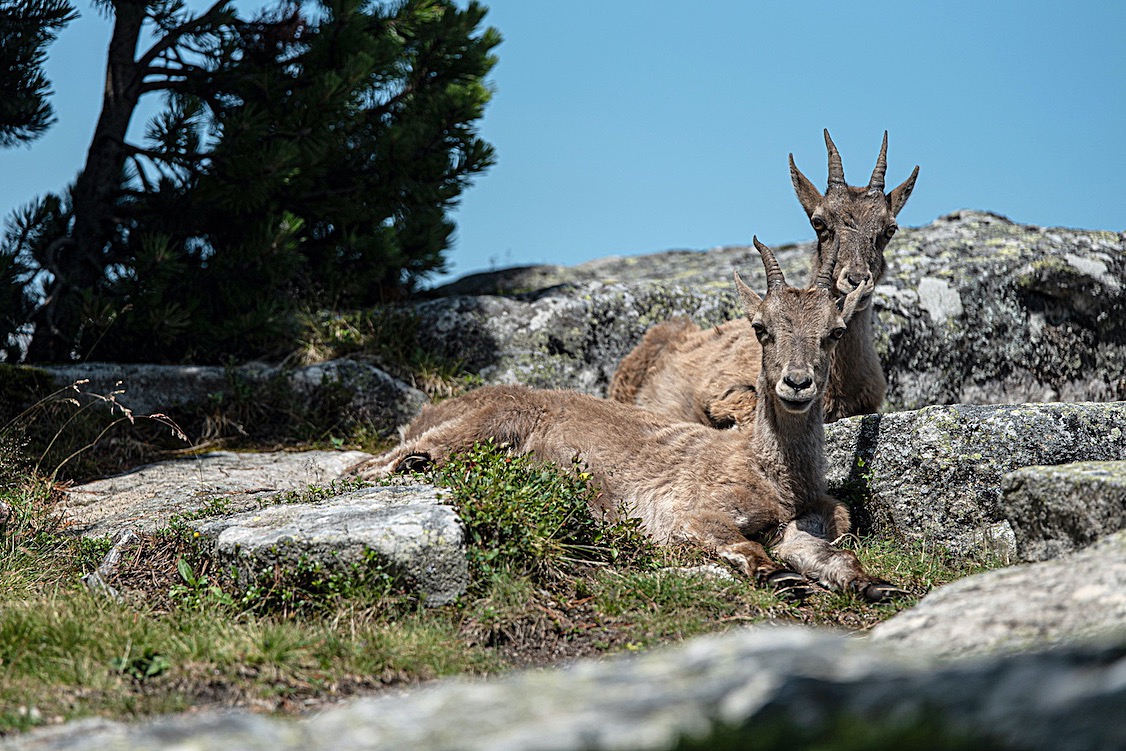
(170, 39)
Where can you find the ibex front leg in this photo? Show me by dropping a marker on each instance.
(805, 547)
(716, 530)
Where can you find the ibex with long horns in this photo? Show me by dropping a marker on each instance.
(730, 491)
(709, 375)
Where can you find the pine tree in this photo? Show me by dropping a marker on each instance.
(306, 158)
(27, 28)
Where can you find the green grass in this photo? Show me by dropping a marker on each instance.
(548, 583)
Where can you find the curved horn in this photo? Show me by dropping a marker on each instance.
(774, 278)
(828, 263)
(877, 181)
(836, 169)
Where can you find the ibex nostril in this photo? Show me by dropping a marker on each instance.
(857, 279)
(797, 382)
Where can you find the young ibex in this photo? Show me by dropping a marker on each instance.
(709, 375)
(731, 491)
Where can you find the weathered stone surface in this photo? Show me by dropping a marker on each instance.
(407, 529)
(571, 337)
(364, 393)
(147, 497)
(148, 389)
(718, 689)
(974, 309)
(1055, 510)
(372, 397)
(1080, 596)
(937, 472)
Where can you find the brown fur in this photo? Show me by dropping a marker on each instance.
(708, 375)
(731, 491)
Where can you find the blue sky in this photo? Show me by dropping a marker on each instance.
(634, 126)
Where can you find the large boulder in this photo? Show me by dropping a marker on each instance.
(1055, 510)
(974, 309)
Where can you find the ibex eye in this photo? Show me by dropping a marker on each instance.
(760, 330)
(890, 230)
(817, 224)
(837, 333)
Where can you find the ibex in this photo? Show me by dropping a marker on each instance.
(709, 375)
(729, 491)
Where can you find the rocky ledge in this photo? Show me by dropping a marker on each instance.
(975, 311)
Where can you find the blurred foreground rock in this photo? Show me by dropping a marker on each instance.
(770, 687)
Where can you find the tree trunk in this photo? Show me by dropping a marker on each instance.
(82, 258)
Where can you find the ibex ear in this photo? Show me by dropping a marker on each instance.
(808, 194)
(852, 299)
(898, 197)
(750, 299)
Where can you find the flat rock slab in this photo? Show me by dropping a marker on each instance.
(1055, 510)
(404, 530)
(937, 472)
(719, 691)
(146, 498)
(1080, 596)
(362, 394)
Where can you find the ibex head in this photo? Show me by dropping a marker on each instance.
(861, 220)
(798, 328)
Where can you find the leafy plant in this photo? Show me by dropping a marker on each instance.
(146, 665)
(196, 592)
(532, 518)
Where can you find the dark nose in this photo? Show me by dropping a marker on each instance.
(857, 279)
(797, 381)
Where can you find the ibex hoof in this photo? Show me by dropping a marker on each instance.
(881, 591)
(413, 463)
(790, 585)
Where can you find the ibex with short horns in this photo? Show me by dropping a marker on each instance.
(730, 491)
(709, 375)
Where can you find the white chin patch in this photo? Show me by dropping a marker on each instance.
(795, 406)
